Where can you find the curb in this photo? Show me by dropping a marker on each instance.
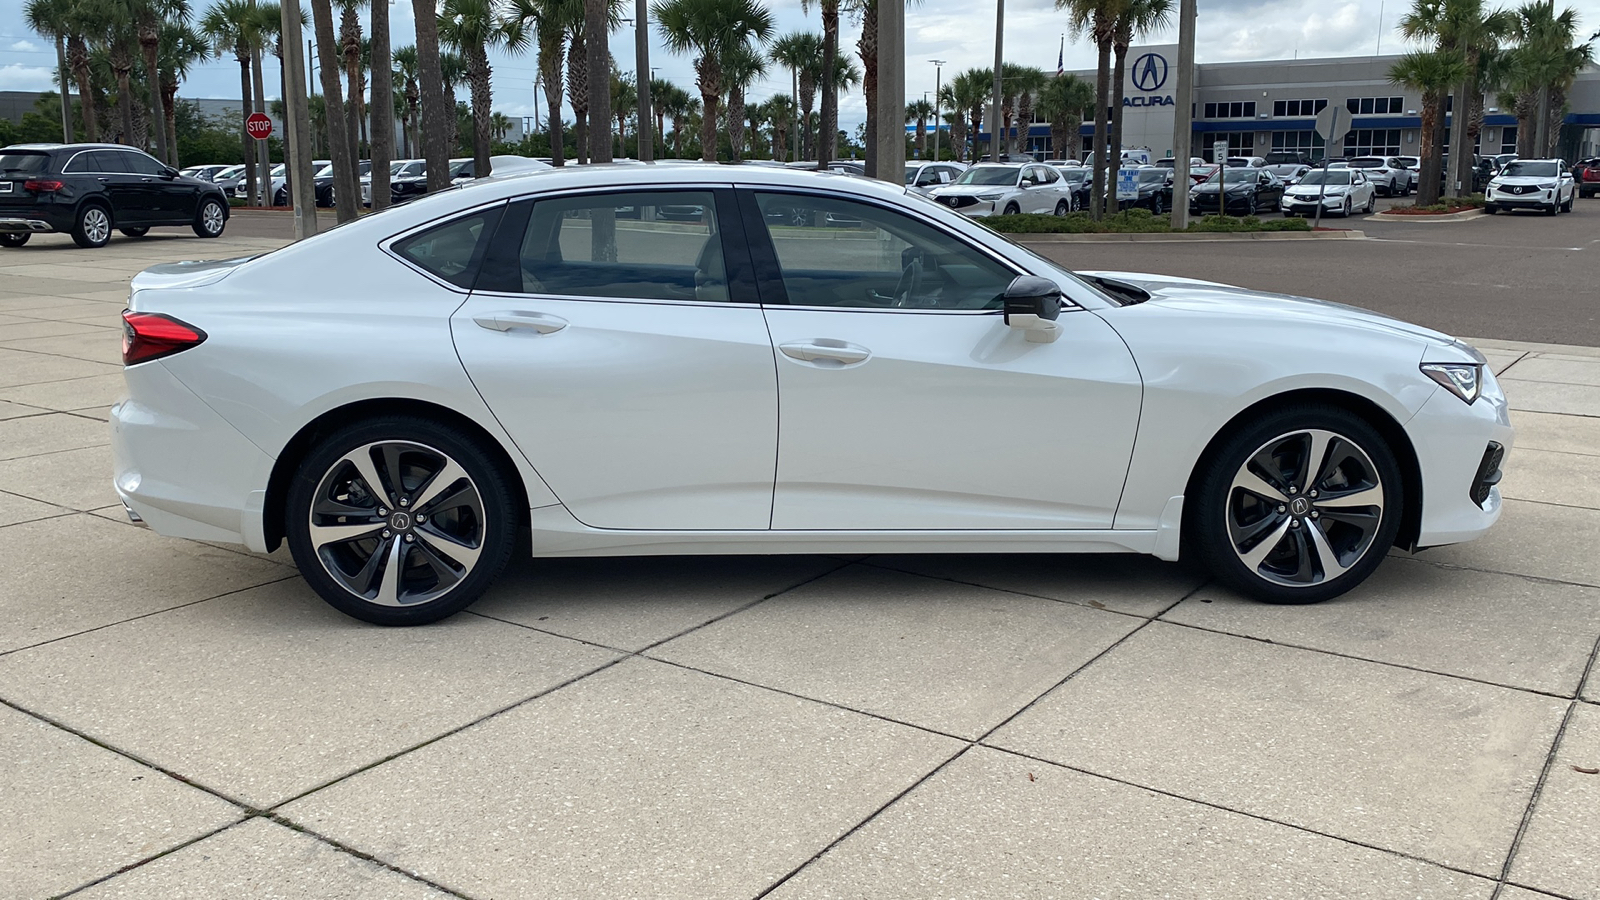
(1462, 216)
(1179, 237)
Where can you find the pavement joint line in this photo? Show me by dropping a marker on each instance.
(1540, 579)
(64, 637)
(1552, 502)
(1563, 452)
(1538, 790)
(1554, 695)
(153, 857)
(361, 854)
(1511, 365)
(1517, 380)
(9, 346)
(1543, 892)
(1239, 812)
(974, 742)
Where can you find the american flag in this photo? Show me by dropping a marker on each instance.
(1061, 57)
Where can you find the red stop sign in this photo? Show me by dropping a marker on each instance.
(258, 126)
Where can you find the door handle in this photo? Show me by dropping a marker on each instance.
(521, 321)
(103, 178)
(825, 348)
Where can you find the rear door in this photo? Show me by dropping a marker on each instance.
(627, 356)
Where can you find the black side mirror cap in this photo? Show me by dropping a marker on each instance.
(1033, 304)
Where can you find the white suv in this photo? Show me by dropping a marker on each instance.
(1389, 174)
(989, 189)
(1543, 184)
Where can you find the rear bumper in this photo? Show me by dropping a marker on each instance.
(14, 225)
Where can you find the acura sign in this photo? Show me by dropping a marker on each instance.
(1149, 76)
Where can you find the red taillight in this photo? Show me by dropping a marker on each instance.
(147, 336)
(43, 187)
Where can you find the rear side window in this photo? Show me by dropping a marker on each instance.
(24, 163)
(451, 250)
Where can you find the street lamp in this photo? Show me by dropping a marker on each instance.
(938, 71)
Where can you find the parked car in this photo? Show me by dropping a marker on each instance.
(1198, 174)
(563, 399)
(1414, 165)
(228, 179)
(86, 190)
(1246, 162)
(324, 182)
(1168, 162)
(1542, 184)
(1287, 158)
(1250, 190)
(1288, 173)
(204, 173)
(1155, 190)
(1587, 175)
(1341, 191)
(1079, 179)
(924, 176)
(1389, 176)
(412, 180)
(989, 189)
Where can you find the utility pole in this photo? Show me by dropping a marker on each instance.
(938, 71)
(641, 52)
(297, 125)
(1183, 124)
(891, 143)
(994, 101)
(794, 113)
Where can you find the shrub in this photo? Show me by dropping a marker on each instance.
(1133, 221)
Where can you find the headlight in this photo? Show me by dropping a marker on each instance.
(992, 196)
(1465, 380)
(1548, 186)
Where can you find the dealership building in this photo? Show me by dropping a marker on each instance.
(1258, 107)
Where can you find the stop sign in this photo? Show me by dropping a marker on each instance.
(258, 126)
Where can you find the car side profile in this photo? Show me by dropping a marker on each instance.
(89, 190)
(546, 352)
(1388, 174)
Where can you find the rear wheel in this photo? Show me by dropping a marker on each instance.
(1299, 506)
(15, 238)
(400, 520)
(210, 219)
(93, 226)
(135, 232)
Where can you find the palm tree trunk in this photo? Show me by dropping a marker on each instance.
(1541, 134)
(150, 45)
(262, 187)
(1432, 140)
(346, 187)
(1459, 162)
(382, 105)
(1102, 96)
(710, 81)
(597, 48)
(828, 128)
(578, 91)
(438, 114)
(550, 45)
(350, 50)
(78, 52)
(478, 75)
(65, 80)
(736, 121)
(867, 46)
(241, 53)
(121, 66)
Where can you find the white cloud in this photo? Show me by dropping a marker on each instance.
(17, 77)
(24, 46)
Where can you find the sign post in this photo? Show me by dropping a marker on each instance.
(1332, 121)
(1219, 152)
(258, 126)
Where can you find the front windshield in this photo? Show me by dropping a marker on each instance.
(325, 172)
(395, 168)
(1153, 176)
(1531, 170)
(989, 175)
(1366, 162)
(1333, 176)
(1232, 177)
(456, 168)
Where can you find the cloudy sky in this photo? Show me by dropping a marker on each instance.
(958, 31)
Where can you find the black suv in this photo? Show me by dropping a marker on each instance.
(88, 189)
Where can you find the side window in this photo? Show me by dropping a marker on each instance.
(138, 163)
(637, 245)
(1050, 175)
(450, 250)
(834, 252)
(83, 161)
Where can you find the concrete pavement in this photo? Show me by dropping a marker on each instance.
(185, 720)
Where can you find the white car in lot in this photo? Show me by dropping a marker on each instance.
(402, 399)
(923, 177)
(1546, 185)
(1346, 192)
(989, 189)
(1388, 174)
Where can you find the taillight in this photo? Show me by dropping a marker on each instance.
(43, 187)
(147, 336)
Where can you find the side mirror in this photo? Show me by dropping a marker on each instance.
(1033, 304)
(169, 172)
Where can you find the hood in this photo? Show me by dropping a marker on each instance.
(1191, 295)
(1243, 184)
(1523, 180)
(196, 273)
(968, 190)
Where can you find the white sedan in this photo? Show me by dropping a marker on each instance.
(1546, 185)
(808, 364)
(989, 189)
(1345, 192)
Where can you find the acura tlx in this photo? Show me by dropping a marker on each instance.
(682, 359)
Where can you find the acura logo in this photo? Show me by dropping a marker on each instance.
(400, 521)
(1150, 72)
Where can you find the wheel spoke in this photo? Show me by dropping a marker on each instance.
(389, 588)
(1331, 567)
(1257, 554)
(454, 549)
(323, 535)
(1368, 496)
(431, 490)
(447, 574)
(392, 471)
(1243, 534)
(1303, 571)
(1311, 468)
(361, 458)
(1249, 481)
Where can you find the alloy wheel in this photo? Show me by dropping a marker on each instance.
(1304, 508)
(211, 218)
(96, 224)
(397, 523)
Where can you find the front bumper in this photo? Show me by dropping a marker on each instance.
(1305, 207)
(1236, 202)
(1452, 441)
(1535, 200)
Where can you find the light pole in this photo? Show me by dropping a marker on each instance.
(938, 70)
(536, 101)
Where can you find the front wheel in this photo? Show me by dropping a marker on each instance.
(1063, 207)
(1372, 202)
(1299, 506)
(1490, 208)
(210, 219)
(1156, 206)
(15, 238)
(400, 520)
(1012, 209)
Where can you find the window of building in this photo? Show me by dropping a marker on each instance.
(1372, 142)
(1308, 142)
(1240, 143)
(1508, 139)
(1376, 106)
(1245, 109)
(1295, 108)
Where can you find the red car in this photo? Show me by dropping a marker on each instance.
(1587, 172)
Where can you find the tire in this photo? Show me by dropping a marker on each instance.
(1552, 209)
(1347, 208)
(1490, 208)
(15, 238)
(451, 543)
(1260, 521)
(139, 232)
(1570, 201)
(210, 218)
(1372, 203)
(281, 198)
(1012, 209)
(1063, 207)
(1156, 206)
(1250, 207)
(92, 227)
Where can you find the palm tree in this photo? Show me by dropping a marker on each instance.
(147, 17)
(471, 28)
(829, 125)
(578, 84)
(231, 27)
(664, 98)
(181, 47)
(965, 94)
(779, 110)
(920, 111)
(1062, 101)
(1097, 20)
(550, 21)
(1468, 28)
(382, 144)
(350, 55)
(115, 31)
(500, 125)
(845, 76)
(438, 113)
(1541, 70)
(1023, 84)
(1433, 73)
(51, 19)
(1136, 19)
(599, 17)
(346, 186)
(711, 27)
(801, 51)
(741, 65)
(405, 72)
(78, 21)
(624, 103)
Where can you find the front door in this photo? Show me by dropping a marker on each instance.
(906, 401)
(616, 336)
(133, 196)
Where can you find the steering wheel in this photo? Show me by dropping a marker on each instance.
(910, 279)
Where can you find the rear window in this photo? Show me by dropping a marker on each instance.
(24, 163)
(451, 250)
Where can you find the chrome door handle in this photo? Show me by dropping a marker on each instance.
(825, 348)
(521, 321)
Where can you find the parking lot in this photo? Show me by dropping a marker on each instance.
(186, 720)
